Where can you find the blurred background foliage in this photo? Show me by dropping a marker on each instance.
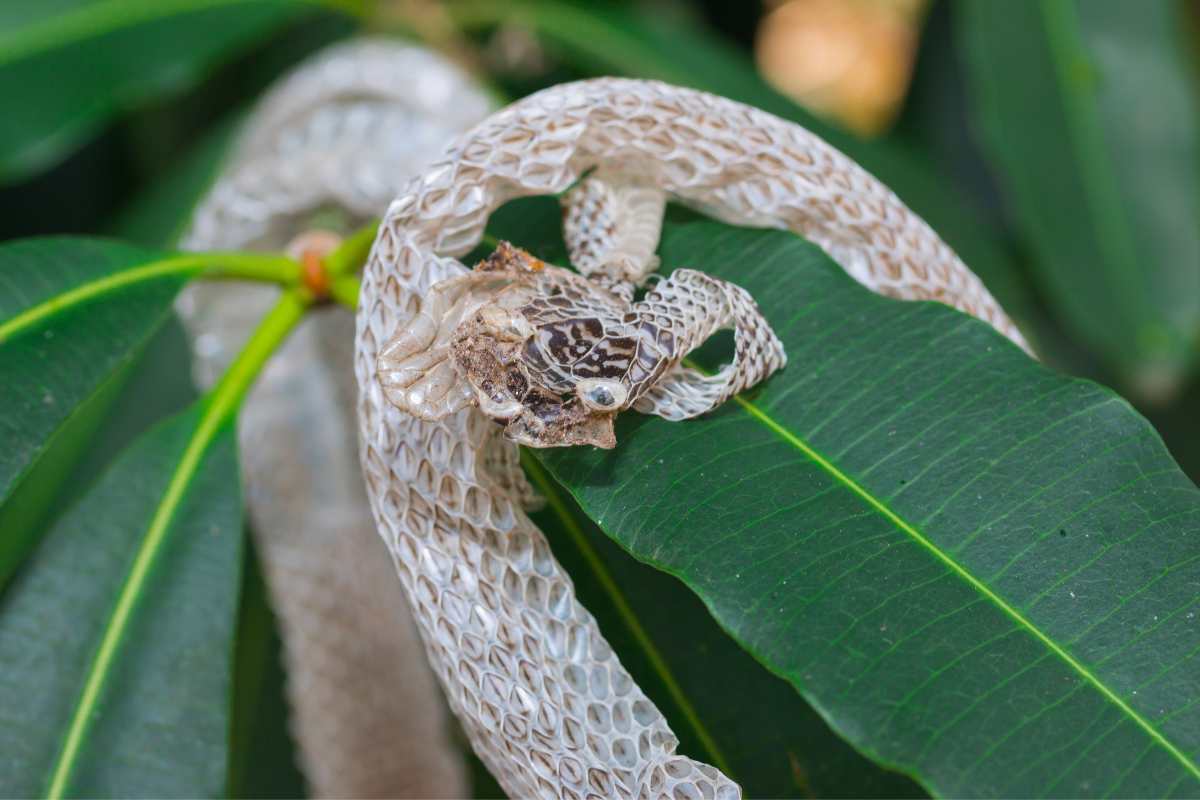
(1055, 144)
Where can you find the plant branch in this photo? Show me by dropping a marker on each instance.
(227, 395)
(267, 267)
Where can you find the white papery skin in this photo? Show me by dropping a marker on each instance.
(546, 702)
(341, 133)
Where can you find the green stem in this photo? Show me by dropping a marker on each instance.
(344, 290)
(352, 253)
(269, 267)
(227, 395)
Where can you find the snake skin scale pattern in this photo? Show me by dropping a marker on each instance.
(341, 134)
(543, 698)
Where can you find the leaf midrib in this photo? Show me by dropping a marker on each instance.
(243, 266)
(891, 516)
(114, 631)
(93, 289)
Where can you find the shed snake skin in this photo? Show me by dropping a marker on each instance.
(542, 696)
(332, 142)
(539, 692)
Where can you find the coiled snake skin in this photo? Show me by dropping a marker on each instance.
(442, 354)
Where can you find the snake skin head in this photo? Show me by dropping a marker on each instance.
(554, 357)
(540, 349)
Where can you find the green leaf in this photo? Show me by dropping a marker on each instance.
(74, 316)
(115, 637)
(763, 734)
(606, 38)
(262, 754)
(159, 216)
(66, 74)
(1090, 113)
(978, 571)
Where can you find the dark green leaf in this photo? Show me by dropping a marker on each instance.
(63, 75)
(115, 652)
(262, 754)
(977, 570)
(608, 38)
(159, 216)
(1090, 113)
(74, 316)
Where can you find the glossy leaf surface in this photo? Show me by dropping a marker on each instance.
(115, 636)
(74, 316)
(977, 570)
(763, 734)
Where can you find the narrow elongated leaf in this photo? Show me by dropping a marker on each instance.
(74, 315)
(65, 74)
(1091, 114)
(262, 753)
(115, 637)
(977, 570)
(606, 38)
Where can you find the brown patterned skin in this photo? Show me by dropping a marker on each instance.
(542, 696)
(555, 356)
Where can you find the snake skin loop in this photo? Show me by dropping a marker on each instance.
(611, 223)
(543, 698)
(335, 140)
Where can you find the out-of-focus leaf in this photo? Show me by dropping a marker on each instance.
(978, 571)
(1092, 117)
(262, 754)
(63, 75)
(116, 637)
(607, 38)
(74, 316)
(160, 215)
